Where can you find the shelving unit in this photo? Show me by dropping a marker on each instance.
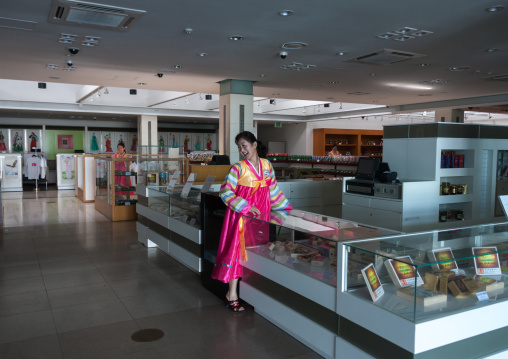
(356, 142)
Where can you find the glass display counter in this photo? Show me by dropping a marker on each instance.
(426, 292)
(115, 195)
(290, 276)
(170, 222)
(157, 170)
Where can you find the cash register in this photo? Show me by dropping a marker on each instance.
(374, 178)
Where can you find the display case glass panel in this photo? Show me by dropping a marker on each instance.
(171, 204)
(304, 241)
(116, 180)
(454, 271)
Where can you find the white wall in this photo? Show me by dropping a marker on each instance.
(293, 134)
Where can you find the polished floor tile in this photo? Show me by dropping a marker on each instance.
(75, 285)
(71, 279)
(26, 326)
(89, 315)
(47, 347)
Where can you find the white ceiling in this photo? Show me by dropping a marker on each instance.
(462, 31)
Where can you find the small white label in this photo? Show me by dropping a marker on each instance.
(127, 203)
(188, 185)
(208, 183)
(482, 296)
(175, 177)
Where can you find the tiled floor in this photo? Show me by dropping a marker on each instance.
(75, 285)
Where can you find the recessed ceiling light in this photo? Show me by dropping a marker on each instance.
(459, 68)
(142, 83)
(275, 94)
(52, 67)
(387, 35)
(202, 54)
(286, 12)
(375, 101)
(403, 38)
(262, 75)
(422, 65)
(405, 30)
(492, 50)
(177, 66)
(236, 37)
(333, 82)
(342, 53)
(494, 8)
(421, 33)
(295, 45)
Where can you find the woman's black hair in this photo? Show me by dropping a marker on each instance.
(121, 144)
(249, 137)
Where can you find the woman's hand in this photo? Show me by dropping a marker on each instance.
(253, 210)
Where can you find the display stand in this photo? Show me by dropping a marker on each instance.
(11, 172)
(65, 171)
(355, 142)
(85, 173)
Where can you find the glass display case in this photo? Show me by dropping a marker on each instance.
(454, 271)
(304, 241)
(171, 204)
(116, 187)
(157, 170)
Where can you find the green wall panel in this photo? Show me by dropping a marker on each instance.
(78, 139)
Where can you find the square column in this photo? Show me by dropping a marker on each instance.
(236, 113)
(147, 134)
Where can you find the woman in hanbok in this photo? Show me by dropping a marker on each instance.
(334, 152)
(121, 167)
(186, 144)
(161, 144)
(17, 145)
(208, 143)
(2, 142)
(197, 146)
(249, 188)
(94, 145)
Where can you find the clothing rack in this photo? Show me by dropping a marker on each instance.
(26, 160)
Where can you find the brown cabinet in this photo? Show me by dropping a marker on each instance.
(348, 142)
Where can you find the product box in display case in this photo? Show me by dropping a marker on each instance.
(450, 304)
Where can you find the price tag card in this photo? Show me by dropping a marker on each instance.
(127, 203)
(291, 260)
(128, 173)
(172, 183)
(482, 296)
(188, 185)
(208, 183)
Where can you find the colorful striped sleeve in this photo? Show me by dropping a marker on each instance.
(277, 199)
(228, 191)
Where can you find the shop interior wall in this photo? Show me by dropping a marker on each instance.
(299, 137)
(293, 134)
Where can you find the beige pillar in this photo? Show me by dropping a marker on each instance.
(147, 134)
(449, 115)
(236, 114)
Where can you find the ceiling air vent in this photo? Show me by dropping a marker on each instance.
(73, 12)
(384, 57)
